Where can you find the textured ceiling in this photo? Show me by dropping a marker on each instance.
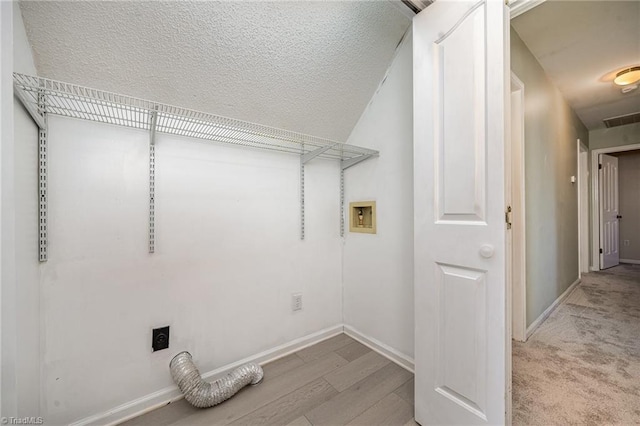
(580, 45)
(310, 67)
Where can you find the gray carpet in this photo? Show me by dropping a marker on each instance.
(582, 366)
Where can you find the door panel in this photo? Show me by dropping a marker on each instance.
(461, 90)
(609, 211)
(462, 339)
(459, 62)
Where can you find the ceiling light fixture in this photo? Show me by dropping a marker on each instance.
(627, 76)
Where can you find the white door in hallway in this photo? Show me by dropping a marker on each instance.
(609, 212)
(461, 91)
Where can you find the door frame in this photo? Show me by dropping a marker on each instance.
(583, 207)
(596, 260)
(516, 261)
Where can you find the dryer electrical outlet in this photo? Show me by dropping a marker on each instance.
(160, 338)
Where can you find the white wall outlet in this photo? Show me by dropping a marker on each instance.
(296, 302)
(626, 242)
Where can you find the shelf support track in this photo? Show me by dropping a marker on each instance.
(301, 198)
(152, 181)
(43, 193)
(342, 202)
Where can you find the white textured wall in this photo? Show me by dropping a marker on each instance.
(228, 257)
(629, 196)
(27, 267)
(551, 130)
(378, 269)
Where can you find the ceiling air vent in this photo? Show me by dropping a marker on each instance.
(621, 120)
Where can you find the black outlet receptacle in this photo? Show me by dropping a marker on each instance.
(160, 339)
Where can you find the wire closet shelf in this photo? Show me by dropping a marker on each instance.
(43, 95)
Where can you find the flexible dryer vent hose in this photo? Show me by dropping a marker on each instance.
(203, 394)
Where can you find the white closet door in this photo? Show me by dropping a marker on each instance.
(609, 212)
(461, 90)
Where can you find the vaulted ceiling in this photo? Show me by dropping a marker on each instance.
(581, 45)
(310, 67)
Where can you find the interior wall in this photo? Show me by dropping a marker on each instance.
(629, 196)
(378, 269)
(228, 258)
(7, 283)
(20, 317)
(551, 130)
(27, 269)
(616, 136)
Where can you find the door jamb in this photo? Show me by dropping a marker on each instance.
(517, 271)
(596, 261)
(583, 204)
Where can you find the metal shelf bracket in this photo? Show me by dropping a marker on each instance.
(313, 154)
(37, 111)
(353, 161)
(36, 115)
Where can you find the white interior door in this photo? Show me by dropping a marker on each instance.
(461, 90)
(609, 212)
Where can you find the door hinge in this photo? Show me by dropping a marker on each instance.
(599, 166)
(507, 217)
(600, 251)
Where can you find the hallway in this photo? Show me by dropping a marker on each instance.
(582, 366)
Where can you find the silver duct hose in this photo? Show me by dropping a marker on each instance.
(203, 394)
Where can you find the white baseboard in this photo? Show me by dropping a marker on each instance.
(170, 394)
(538, 322)
(387, 351)
(633, 261)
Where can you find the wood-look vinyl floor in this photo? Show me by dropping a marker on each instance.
(335, 382)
